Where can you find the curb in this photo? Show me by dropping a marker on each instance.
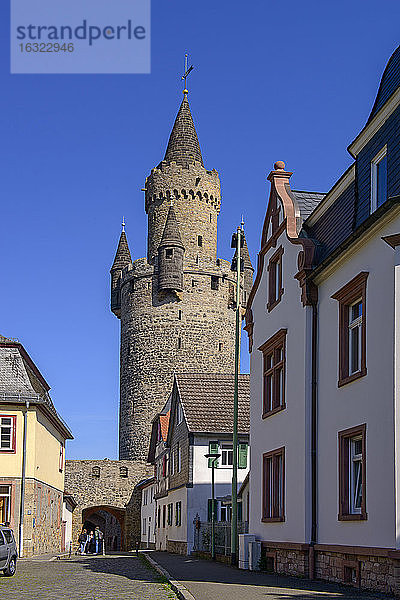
(181, 591)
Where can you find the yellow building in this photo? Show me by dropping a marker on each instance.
(32, 454)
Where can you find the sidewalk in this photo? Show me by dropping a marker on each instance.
(207, 580)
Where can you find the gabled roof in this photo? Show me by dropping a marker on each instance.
(161, 419)
(123, 255)
(183, 146)
(307, 201)
(207, 402)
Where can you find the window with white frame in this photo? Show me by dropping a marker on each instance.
(172, 463)
(356, 457)
(352, 473)
(7, 433)
(355, 332)
(226, 455)
(5, 503)
(379, 179)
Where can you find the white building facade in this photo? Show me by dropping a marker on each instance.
(196, 427)
(323, 326)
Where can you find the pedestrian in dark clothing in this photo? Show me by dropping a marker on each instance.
(83, 540)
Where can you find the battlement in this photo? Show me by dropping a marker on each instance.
(171, 181)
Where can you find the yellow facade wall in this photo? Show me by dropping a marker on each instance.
(42, 448)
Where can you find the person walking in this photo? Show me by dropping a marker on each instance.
(83, 540)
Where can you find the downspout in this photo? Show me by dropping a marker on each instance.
(314, 516)
(22, 502)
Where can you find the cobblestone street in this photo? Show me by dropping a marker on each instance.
(116, 577)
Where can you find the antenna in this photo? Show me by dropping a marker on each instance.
(123, 224)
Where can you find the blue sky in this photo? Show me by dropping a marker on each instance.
(291, 81)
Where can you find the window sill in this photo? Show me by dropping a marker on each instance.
(272, 519)
(353, 517)
(350, 378)
(273, 411)
(7, 451)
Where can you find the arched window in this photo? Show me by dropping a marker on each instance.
(123, 472)
(96, 472)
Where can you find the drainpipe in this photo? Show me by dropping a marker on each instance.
(22, 503)
(314, 517)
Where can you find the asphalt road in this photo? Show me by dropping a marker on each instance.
(115, 577)
(215, 581)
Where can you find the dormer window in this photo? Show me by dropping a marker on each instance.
(169, 252)
(379, 179)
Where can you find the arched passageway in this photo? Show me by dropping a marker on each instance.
(110, 520)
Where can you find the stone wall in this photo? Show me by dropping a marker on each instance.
(177, 547)
(196, 195)
(107, 491)
(378, 573)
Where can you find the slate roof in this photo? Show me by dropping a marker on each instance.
(21, 381)
(389, 83)
(207, 400)
(171, 235)
(123, 255)
(183, 146)
(307, 201)
(245, 255)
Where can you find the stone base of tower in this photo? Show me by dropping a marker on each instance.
(104, 491)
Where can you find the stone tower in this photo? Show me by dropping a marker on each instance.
(175, 305)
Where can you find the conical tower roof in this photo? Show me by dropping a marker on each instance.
(123, 255)
(171, 235)
(183, 146)
(245, 255)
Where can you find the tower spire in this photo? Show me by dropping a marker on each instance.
(183, 145)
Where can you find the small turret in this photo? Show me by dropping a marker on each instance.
(246, 268)
(170, 256)
(121, 260)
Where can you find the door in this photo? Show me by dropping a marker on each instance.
(3, 551)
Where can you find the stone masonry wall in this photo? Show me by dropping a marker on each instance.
(377, 573)
(196, 197)
(160, 336)
(110, 489)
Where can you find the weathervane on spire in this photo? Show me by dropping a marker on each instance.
(123, 224)
(186, 73)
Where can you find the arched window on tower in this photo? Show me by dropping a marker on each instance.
(169, 252)
(200, 240)
(96, 472)
(123, 472)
